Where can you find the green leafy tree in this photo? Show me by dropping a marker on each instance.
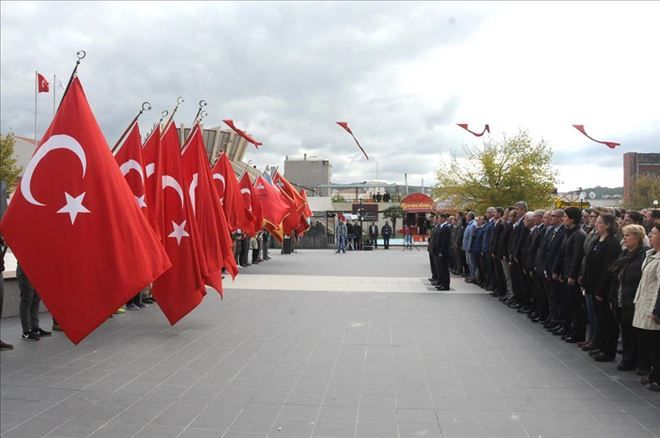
(644, 191)
(393, 213)
(9, 171)
(499, 174)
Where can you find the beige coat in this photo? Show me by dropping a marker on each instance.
(647, 292)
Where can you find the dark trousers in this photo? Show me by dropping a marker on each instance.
(245, 249)
(625, 318)
(500, 280)
(558, 309)
(489, 267)
(528, 283)
(578, 324)
(466, 268)
(518, 284)
(540, 298)
(386, 242)
(29, 304)
(374, 242)
(649, 341)
(434, 270)
(608, 329)
(442, 268)
(548, 288)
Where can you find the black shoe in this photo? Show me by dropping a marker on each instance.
(442, 287)
(150, 300)
(560, 331)
(642, 371)
(602, 357)
(549, 324)
(515, 305)
(30, 336)
(573, 340)
(432, 279)
(42, 333)
(6, 346)
(141, 305)
(626, 366)
(535, 319)
(595, 352)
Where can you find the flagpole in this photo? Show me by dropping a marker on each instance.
(54, 92)
(80, 54)
(179, 101)
(146, 106)
(36, 85)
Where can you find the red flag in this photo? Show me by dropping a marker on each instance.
(345, 126)
(476, 134)
(226, 185)
(196, 176)
(252, 219)
(274, 207)
(153, 185)
(293, 199)
(609, 144)
(180, 289)
(306, 213)
(42, 84)
(74, 226)
(243, 134)
(129, 160)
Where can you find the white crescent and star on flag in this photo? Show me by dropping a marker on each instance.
(73, 204)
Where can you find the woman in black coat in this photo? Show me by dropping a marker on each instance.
(598, 282)
(628, 271)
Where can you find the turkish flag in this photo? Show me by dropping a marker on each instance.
(42, 84)
(181, 289)
(242, 133)
(226, 185)
(274, 206)
(129, 160)
(290, 197)
(252, 219)
(75, 227)
(306, 213)
(209, 215)
(153, 186)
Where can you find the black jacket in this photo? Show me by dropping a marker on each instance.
(497, 232)
(386, 231)
(518, 240)
(531, 247)
(598, 278)
(569, 260)
(627, 273)
(539, 258)
(552, 252)
(373, 231)
(503, 239)
(441, 240)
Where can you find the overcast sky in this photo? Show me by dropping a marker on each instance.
(401, 74)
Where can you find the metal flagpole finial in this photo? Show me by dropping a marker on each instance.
(146, 106)
(203, 114)
(81, 55)
(202, 103)
(163, 114)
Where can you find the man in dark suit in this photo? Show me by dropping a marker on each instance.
(556, 238)
(542, 284)
(529, 259)
(373, 235)
(499, 288)
(386, 231)
(434, 271)
(441, 249)
(518, 236)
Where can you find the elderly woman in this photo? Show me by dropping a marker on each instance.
(647, 309)
(628, 271)
(598, 282)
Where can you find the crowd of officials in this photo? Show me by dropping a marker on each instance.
(590, 277)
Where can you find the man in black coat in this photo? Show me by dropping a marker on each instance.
(518, 236)
(499, 284)
(434, 272)
(373, 235)
(441, 248)
(552, 252)
(567, 269)
(528, 262)
(542, 284)
(386, 232)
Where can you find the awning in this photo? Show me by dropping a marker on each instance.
(320, 203)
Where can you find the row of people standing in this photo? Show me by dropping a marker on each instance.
(349, 236)
(587, 276)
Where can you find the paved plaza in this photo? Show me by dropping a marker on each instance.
(317, 344)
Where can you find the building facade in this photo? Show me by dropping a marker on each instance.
(635, 164)
(308, 173)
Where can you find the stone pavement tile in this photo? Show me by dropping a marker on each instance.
(217, 416)
(201, 433)
(294, 412)
(334, 429)
(35, 427)
(376, 430)
(78, 428)
(414, 430)
(377, 415)
(378, 401)
(159, 432)
(256, 418)
(119, 428)
(338, 413)
(292, 428)
(306, 398)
